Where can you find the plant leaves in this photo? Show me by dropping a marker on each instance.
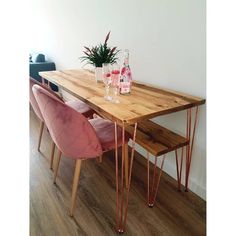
(85, 53)
(100, 54)
(87, 49)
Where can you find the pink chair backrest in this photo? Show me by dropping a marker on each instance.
(70, 130)
(33, 102)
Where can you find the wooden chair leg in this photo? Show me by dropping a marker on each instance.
(52, 155)
(126, 158)
(40, 134)
(75, 185)
(57, 166)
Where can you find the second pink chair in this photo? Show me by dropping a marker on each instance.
(74, 135)
(75, 104)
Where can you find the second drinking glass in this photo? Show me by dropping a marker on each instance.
(106, 71)
(115, 82)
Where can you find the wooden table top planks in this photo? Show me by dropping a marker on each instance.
(144, 102)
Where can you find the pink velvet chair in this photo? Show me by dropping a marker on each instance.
(74, 135)
(75, 104)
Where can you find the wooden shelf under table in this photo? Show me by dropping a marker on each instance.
(156, 139)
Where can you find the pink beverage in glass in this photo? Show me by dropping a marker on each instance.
(115, 78)
(106, 79)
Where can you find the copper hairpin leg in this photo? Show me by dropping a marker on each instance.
(43, 80)
(44, 83)
(179, 171)
(121, 202)
(151, 197)
(189, 149)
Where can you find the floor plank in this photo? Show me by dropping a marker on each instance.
(175, 213)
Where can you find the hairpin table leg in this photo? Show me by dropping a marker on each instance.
(189, 149)
(155, 183)
(122, 204)
(179, 170)
(181, 164)
(44, 82)
(117, 179)
(148, 185)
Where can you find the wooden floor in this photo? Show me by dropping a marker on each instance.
(175, 213)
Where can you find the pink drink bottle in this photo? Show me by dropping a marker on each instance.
(125, 75)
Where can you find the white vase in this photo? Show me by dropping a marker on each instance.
(98, 74)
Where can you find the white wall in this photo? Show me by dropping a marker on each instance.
(166, 39)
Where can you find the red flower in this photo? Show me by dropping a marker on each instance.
(107, 37)
(112, 50)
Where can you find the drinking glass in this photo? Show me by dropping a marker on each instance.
(106, 71)
(115, 82)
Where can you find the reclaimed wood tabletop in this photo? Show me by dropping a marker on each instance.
(144, 102)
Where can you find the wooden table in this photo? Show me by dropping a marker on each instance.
(144, 102)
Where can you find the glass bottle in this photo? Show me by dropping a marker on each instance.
(125, 75)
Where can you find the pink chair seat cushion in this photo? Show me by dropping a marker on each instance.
(105, 131)
(81, 107)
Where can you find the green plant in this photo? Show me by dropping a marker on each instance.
(100, 54)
